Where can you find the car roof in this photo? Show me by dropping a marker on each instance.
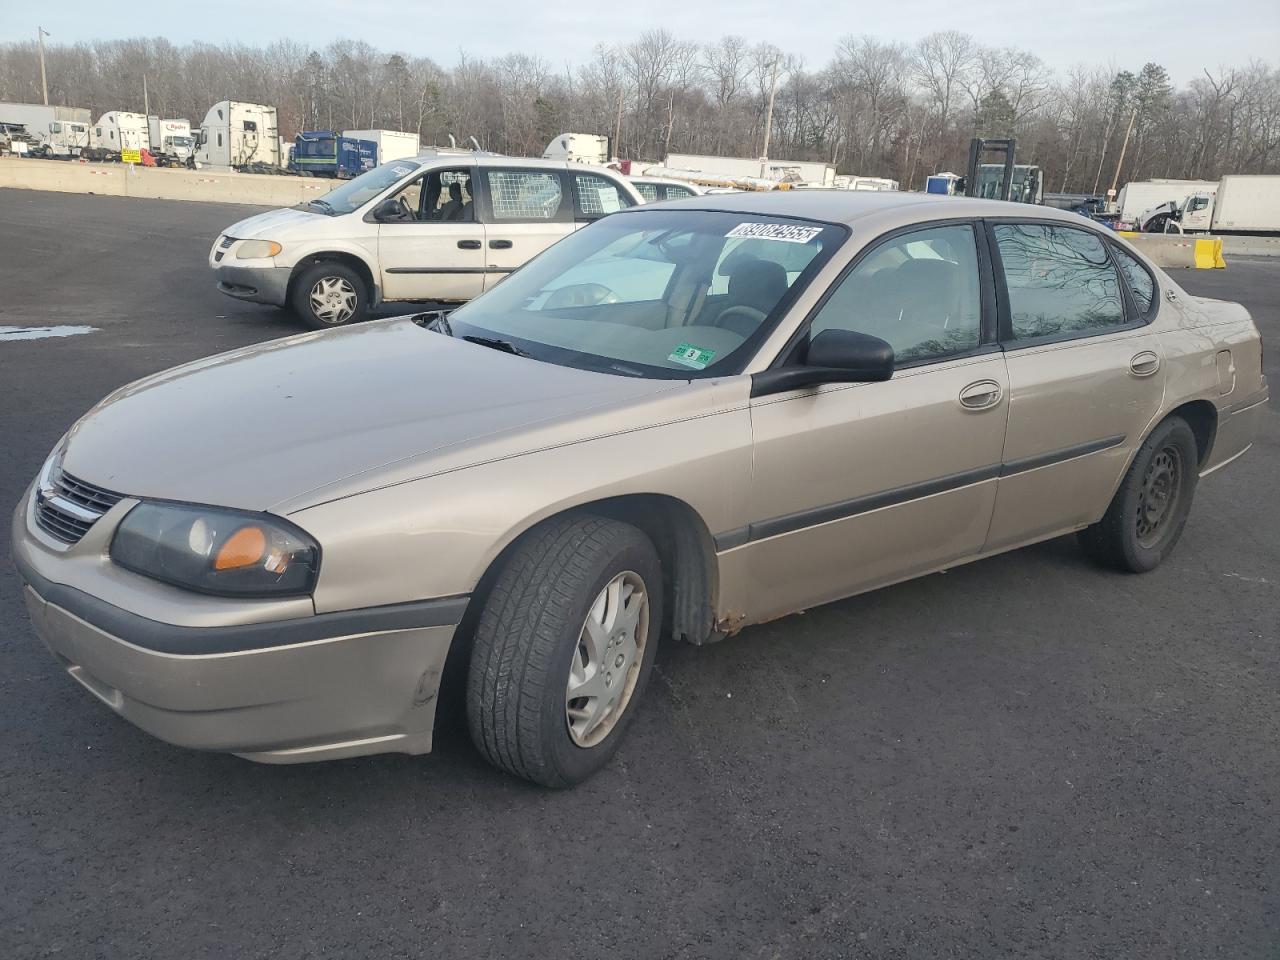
(851, 207)
(483, 158)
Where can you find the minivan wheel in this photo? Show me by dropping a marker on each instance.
(563, 649)
(329, 294)
(1148, 512)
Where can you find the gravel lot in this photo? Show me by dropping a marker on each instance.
(1020, 757)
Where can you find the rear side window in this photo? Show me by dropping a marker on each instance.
(647, 190)
(678, 193)
(1060, 281)
(524, 194)
(594, 196)
(1141, 284)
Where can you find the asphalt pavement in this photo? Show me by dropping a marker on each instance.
(1022, 757)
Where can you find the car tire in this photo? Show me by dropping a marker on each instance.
(533, 649)
(329, 294)
(1147, 514)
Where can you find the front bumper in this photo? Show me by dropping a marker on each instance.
(257, 284)
(286, 691)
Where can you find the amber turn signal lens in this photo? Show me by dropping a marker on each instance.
(244, 548)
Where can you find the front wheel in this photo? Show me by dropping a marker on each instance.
(563, 649)
(1148, 512)
(329, 294)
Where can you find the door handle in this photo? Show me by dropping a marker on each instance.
(468, 244)
(981, 395)
(499, 244)
(1144, 364)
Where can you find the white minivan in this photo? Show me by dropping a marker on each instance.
(441, 227)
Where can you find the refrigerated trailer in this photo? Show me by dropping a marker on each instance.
(1140, 196)
(391, 144)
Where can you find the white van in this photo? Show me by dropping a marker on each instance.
(442, 227)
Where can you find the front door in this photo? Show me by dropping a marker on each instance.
(1086, 379)
(855, 486)
(434, 250)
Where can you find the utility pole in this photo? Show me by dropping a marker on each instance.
(768, 117)
(44, 84)
(146, 102)
(1123, 147)
(617, 130)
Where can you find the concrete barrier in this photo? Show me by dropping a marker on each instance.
(1251, 246)
(127, 180)
(1176, 250)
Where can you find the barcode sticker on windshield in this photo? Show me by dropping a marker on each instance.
(785, 232)
(402, 171)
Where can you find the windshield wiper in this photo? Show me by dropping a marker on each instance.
(506, 346)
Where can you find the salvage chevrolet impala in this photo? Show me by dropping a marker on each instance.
(679, 421)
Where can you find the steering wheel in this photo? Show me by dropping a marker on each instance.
(751, 318)
(404, 208)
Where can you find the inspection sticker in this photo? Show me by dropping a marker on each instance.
(402, 171)
(691, 356)
(785, 232)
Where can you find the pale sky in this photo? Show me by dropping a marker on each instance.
(1183, 35)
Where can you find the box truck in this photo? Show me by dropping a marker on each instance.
(1137, 197)
(237, 135)
(391, 144)
(171, 141)
(1240, 204)
(61, 132)
(578, 148)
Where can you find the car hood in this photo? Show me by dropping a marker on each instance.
(274, 224)
(323, 415)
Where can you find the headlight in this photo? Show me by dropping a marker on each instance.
(257, 249)
(212, 550)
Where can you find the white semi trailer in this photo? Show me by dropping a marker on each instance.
(392, 144)
(1139, 196)
(576, 148)
(808, 172)
(235, 135)
(61, 132)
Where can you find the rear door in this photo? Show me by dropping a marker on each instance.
(1086, 378)
(436, 250)
(525, 210)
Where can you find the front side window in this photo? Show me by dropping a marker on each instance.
(1060, 281)
(647, 190)
(919, 291)
(57, 128)
(517, 195)
(442, 196)
(634, 294)
(1199, 203)
(1141, 284)
(594, 196)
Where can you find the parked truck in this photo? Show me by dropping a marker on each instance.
(53, 132)
(1239, 204)
(239, 136)
(115, 132)
(324, 153)
(391, 144)
(579, 148)
(1139, 197)
(171, 141)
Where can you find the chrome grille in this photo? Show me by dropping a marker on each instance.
(66, 506)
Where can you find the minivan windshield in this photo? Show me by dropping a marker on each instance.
(354, 194)
(653, 293)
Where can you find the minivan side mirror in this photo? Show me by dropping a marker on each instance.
(834, 356)
(388, 211)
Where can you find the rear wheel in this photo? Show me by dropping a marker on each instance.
(1148, 512)
(329, 294)
(564, 648)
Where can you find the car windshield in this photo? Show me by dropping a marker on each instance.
(354, 194)
(654, 293)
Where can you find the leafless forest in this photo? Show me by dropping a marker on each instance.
(877, 108)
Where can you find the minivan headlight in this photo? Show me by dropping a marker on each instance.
(257, 249)
(214, 550)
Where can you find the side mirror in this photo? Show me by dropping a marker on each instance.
(835, 356)
(388, 211)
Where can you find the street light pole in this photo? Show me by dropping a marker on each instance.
(44, 84)
(768, 117)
